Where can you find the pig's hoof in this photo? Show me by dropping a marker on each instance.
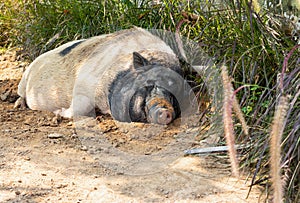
(66, 113)
(20, 103)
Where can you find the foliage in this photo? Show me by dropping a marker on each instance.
(252, 41)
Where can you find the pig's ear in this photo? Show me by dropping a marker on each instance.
(139, 60)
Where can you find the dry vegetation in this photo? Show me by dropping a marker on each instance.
(253, 41)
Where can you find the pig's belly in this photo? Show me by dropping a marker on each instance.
(45, 95)
(49, 102)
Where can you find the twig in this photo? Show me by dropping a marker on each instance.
(285, 64)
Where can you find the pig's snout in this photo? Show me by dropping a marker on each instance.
(161, 114)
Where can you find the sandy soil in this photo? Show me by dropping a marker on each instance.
(44, 158)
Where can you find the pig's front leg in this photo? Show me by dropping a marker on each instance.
(20, 103)
(81, 106)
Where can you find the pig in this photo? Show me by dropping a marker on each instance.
(131, 74)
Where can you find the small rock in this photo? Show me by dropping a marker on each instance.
(4, 95)
(17, 192)
(61, 186)
(84, 148)
(74, 135)
(27, 158)
(122, 141)
(125, 131)
(55, 136)
(56, 120)
(27, 121)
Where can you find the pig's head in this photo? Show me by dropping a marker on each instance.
(149, 92)
(153, 104)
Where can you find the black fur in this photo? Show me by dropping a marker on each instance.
(119, 79)
(141, 115)
(69, 49)
(138, 113)
(115, 83)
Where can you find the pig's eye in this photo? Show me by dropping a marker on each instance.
(137, 109)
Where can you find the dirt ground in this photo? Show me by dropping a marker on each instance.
(44, 158)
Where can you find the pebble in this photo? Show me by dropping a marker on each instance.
(27, 158)
(84, 148)
(55, 136)
(61, 186)
(4, 95)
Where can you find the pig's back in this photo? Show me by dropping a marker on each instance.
(47, 84)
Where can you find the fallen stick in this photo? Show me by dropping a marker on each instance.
(212, 149)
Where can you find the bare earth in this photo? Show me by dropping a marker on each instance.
(44, 158)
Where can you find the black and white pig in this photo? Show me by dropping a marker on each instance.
(130, 74)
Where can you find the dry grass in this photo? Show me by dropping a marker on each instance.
(249, 39)
(228, 122)
(275, 149)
